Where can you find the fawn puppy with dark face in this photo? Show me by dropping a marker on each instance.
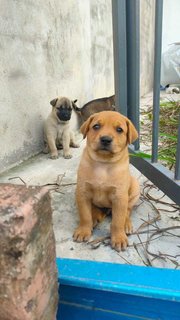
(103, 179)
(57, 131)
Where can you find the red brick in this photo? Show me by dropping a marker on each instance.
(28, 274)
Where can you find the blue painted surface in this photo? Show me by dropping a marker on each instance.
(98, 290)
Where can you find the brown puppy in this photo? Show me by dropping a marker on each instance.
(57, 132)
(97, 105)
(104, 180)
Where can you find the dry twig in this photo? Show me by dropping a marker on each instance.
(159, 255)
(18, 178)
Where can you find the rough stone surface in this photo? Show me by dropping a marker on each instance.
(28, 275)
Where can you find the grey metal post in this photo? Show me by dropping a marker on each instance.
(133, 63)
(177, 167)
(119, 45)
(157, 75)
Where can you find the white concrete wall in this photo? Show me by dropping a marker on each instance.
(171, 23)
(147, 14)
(49, 48)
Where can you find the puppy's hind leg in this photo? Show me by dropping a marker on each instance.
(98, 215)
(134, 193)
(59, 145)
(45, 148)
(73, 143)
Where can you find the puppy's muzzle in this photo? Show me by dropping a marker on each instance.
(105, 142)
(64, 115)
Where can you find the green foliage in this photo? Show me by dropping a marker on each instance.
(168, 136)
(168, 126)
(141, 155)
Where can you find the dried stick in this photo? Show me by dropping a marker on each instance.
(156, 233)
(18, 178)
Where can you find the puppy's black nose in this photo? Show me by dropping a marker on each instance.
(106, 140)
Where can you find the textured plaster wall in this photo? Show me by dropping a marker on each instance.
(49, 48)
(147, 10)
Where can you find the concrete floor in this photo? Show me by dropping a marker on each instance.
(40, 170)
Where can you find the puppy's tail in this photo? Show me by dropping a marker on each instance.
(78, 110)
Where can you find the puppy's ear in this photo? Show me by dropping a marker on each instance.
(132, 133)
(53, 102)
(85, 126)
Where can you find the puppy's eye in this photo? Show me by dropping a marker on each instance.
(119, 129)
(96, 126)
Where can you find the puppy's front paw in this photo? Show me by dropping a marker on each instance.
(82, 234)
(54, 156)
(119, 242)
(128, 226)
(67, 156)
(97, 217)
